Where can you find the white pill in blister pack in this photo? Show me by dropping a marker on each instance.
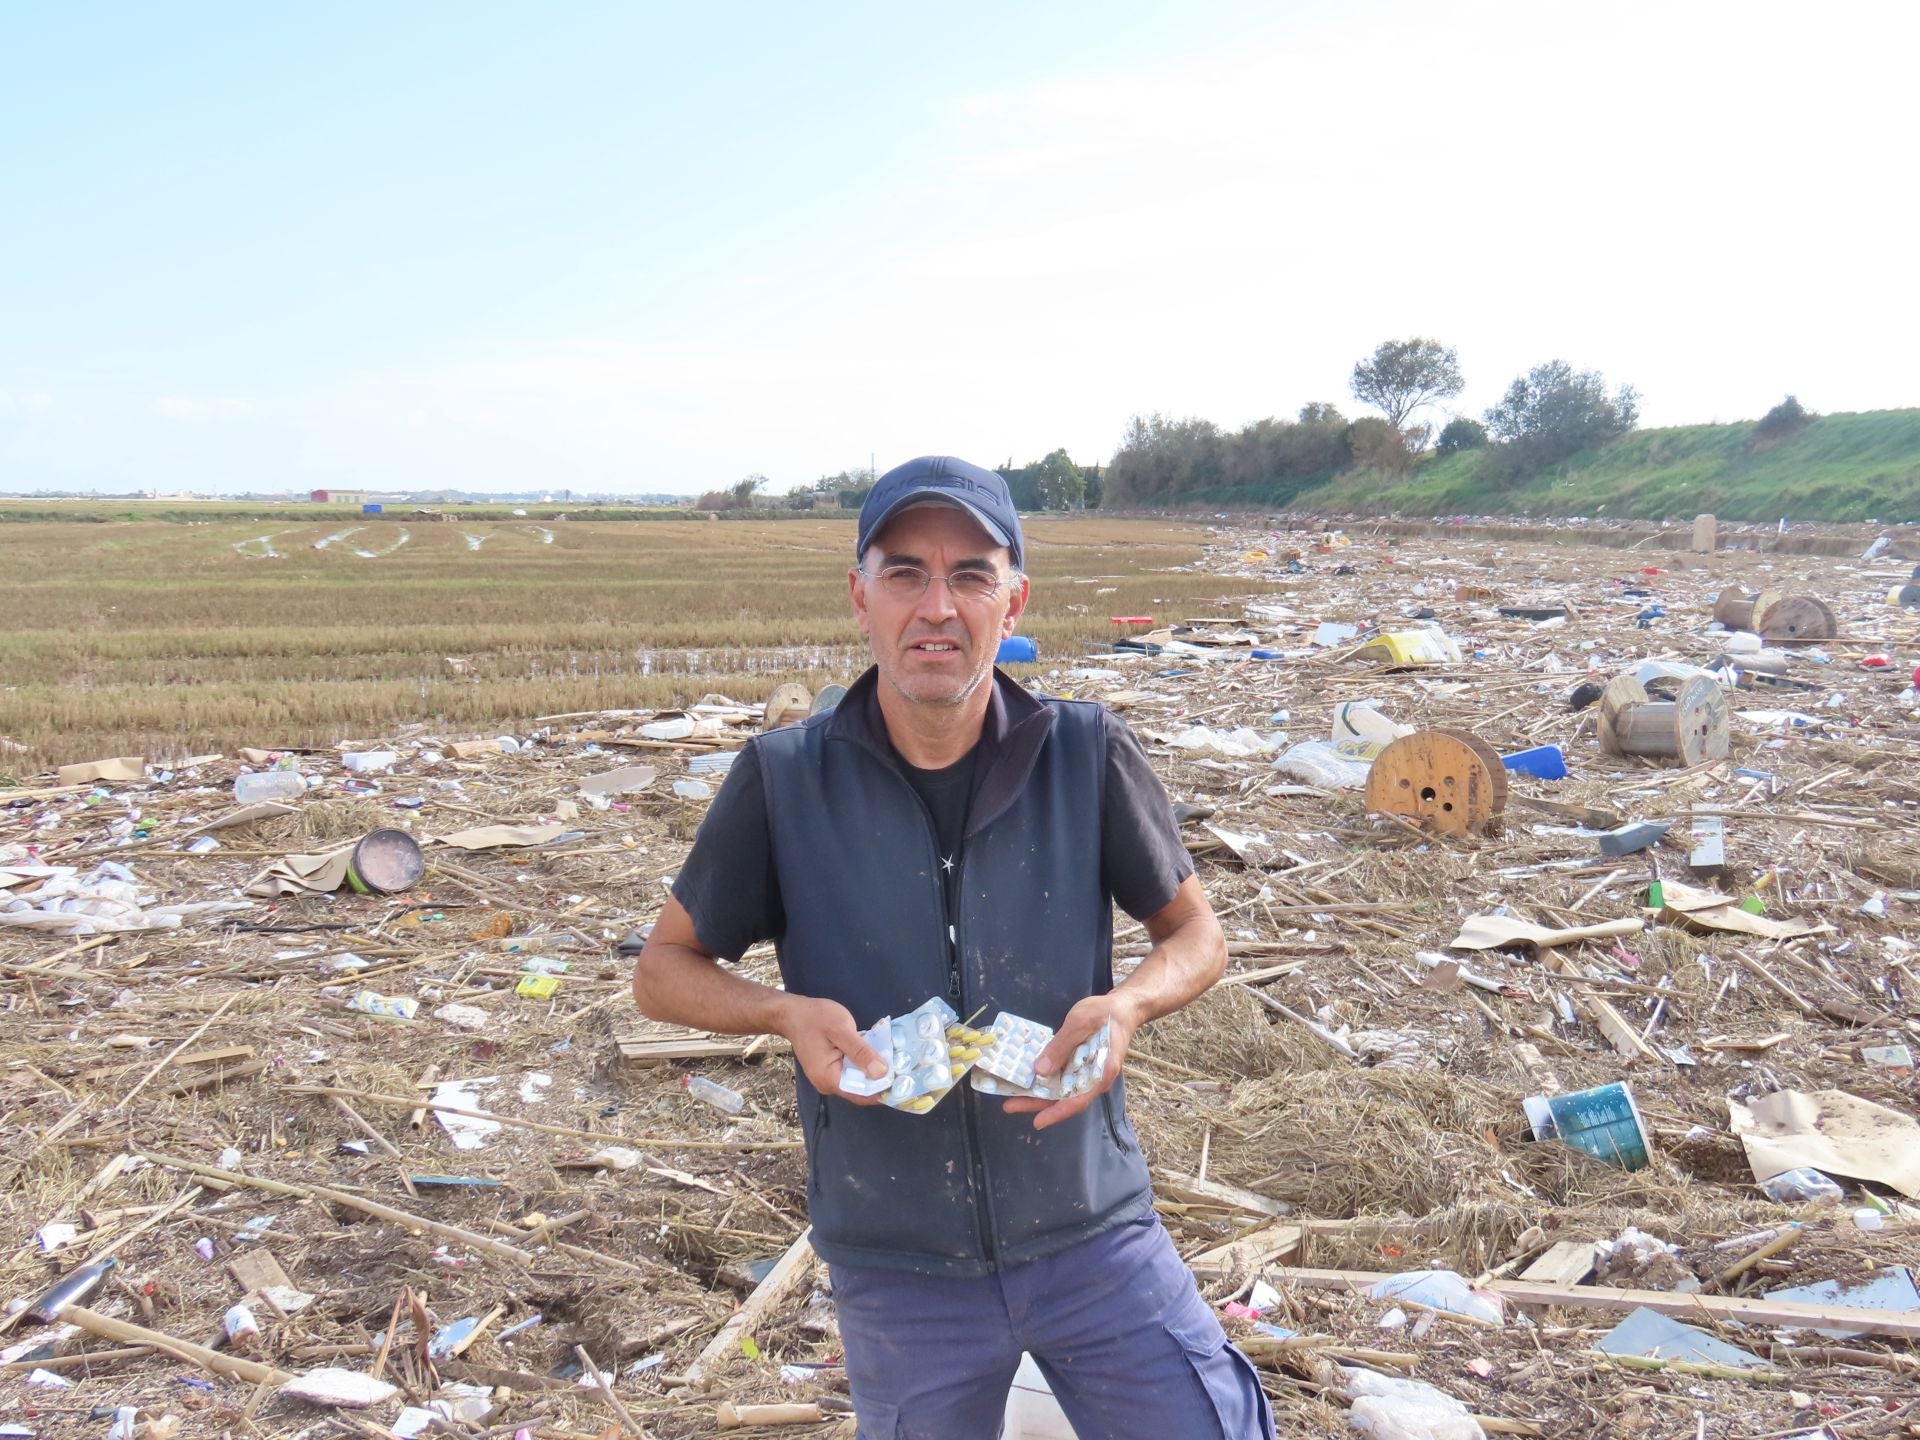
(1006, 1067)
(927, 1052)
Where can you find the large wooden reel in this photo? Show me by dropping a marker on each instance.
(1776, 616)
(1691, 729)
(1447, 780)
(1797, 620)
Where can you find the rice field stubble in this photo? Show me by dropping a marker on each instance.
(167, 639)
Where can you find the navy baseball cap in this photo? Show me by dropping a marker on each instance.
(942, 478)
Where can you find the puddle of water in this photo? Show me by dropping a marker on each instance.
(337, 535)
(403, 537)
(266, 550)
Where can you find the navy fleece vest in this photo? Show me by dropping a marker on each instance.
(965, 1188)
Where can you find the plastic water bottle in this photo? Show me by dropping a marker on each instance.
(258, 785)
(714, 1093)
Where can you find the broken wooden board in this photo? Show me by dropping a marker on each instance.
(216, 1077)
(1709, 854)
(640, 1051)
(1702, 1309)
(1568, 1262)
(790, 1270)
(255, 1270)
(1623, 1037)
(1258, 1247)
(1213, 1195)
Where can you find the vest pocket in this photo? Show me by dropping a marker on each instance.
(1112, 1120)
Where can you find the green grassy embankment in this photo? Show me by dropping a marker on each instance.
(1838, 468)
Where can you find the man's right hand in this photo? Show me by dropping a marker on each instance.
(824, 1038)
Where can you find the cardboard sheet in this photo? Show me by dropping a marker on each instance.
(1497, 932)
(1832, 1132)
(117, 771)
(303, 874)
(496, 837)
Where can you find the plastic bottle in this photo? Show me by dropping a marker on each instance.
(259, 785)
(71, 1291)
(714, 1093)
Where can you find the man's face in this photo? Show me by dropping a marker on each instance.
(935, 648)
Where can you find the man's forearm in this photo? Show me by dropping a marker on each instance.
(684, 987)
(1179, 969)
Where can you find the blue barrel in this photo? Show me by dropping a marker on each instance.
(1017, 650)
(1544, 762)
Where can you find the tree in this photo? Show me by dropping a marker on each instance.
(1403, 375)
(1783, 420)
(743, 490)
(1318, 412)
(1059, 482)
(1554, 411)
(1377, 445)
(1460, 433)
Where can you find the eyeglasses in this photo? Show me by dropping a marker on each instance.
(910, 582)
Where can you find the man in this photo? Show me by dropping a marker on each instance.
(944, 833)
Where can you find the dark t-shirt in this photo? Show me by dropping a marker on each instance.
(730, 890)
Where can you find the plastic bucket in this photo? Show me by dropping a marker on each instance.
(1017, 650)
(1603, 1122)
(385, 862)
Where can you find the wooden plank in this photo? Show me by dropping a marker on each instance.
(1709, 856)
(207, 1057)
(1701, 1309)
(1221, 1197)
(1262, 975)
(640, 1051)
(1622, 1036)
(787, 1272)
(1567, 1263)
(1257, 1248)
(256, 1270)
(215, 1078)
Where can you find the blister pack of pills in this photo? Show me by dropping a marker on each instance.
(927, 1053)
(1005, 1067)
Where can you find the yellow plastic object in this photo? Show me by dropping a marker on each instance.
(1413, 647)
(538, 987)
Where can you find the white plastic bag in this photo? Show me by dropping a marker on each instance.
(1440, 1290)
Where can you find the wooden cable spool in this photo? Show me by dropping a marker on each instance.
(1448, 780)
(1736, 609)
(788, 705)
(1775, 616)
(1691, 729)
(1797, 619)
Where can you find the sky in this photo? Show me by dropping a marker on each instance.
(630, 248)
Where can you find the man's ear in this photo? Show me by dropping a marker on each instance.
(857, 591)
(1018, 593)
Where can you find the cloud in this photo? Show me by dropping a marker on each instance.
(201, 409)
(25, 402)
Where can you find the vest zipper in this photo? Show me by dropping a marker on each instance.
(969, 1098)
(956, 985)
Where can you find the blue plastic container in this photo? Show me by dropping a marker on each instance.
(1017, 650)
(1543, 762)
(1604, 1123)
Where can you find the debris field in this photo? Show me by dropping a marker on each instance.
(1534, 1092)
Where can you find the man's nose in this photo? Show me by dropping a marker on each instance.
(936, 604)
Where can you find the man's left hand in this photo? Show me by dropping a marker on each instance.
(1082, 1023)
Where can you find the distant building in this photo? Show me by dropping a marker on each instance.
(339, 497)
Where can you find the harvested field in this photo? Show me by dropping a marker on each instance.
(192, 1097)
(172, 639)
